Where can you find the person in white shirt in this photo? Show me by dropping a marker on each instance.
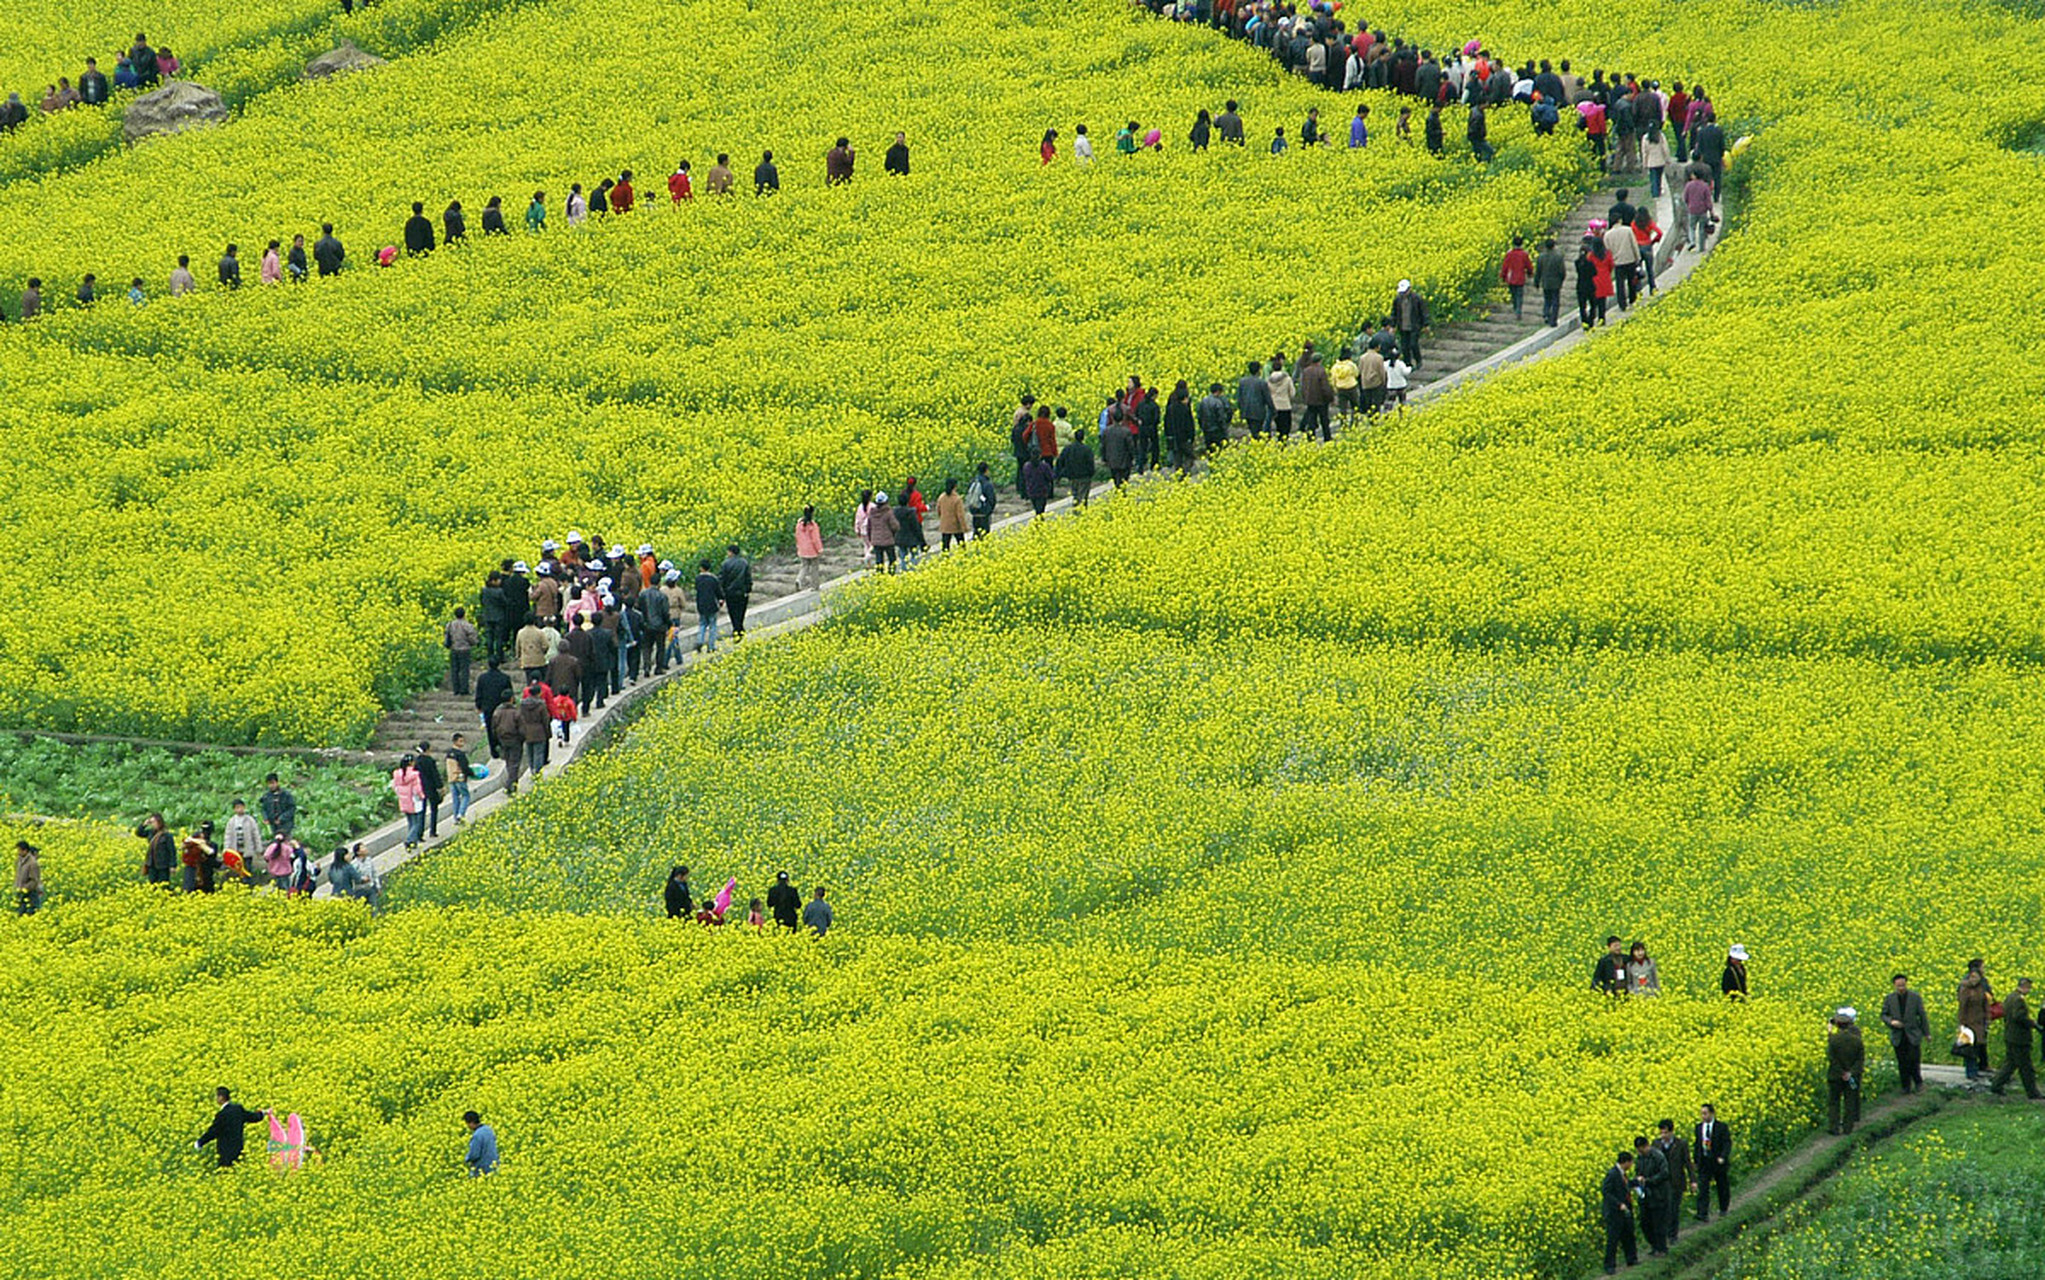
(1397, 372)
(1082, 146)
(243, 835)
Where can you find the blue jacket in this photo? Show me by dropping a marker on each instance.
(482, 1157)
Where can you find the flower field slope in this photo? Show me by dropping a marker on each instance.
(688, 375)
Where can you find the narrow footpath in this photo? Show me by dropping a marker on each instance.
(1452, 356)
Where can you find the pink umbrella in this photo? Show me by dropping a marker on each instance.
(723, 903)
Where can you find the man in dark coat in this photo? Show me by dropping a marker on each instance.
(1214, 414)
(2017, 1026)
(1253, 400)
(1903, 1014)
(1551, 272)
(1651, 1174)
(418, 231)
(432, 786)
(225, 1133)
(1711, 1148)
(897, 159)
(1609, 974)
(535, 726)
(785, 901)
(1675, 1153)
(1118, 447)
(278, 807)
(1409, 317)
(735, 576)
(491, 688)
(675, 895)
(327, 253)
(1615, 1203)
(1076, 467)
(1845, 1061)
(657, 611)
(507, 739)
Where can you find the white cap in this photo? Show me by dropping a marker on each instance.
(519, 567)
(674, 575)
(603, 584)
(1738, 952)
(1847, 1013)
(880, 497)
(550, 545)
(574, 537)
(546, 571)
(1405, 285)
(666, 565)
(617, 548)
(646, 548)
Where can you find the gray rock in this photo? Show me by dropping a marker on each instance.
(345, 57)
(176, 106)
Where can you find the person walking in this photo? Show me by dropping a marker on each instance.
(509, 736)
(1281, 387)
(1118, 447)
(980, 500)
(709, 599)
(28, 878)
(1625, 251)
(459, 637)
(951, 515)
(816, 917)
(481, 1156)
(896, 161)
(432, 788)
(1975, 995)
(1696, 202)
(227, 1132)
(1675, 1153)
(1550, 273)
(2017, 1028)
(1409, 316)
(809, 548)
(1615, 1196)
(230, 267)
(909, 540)
(411, 799)
(1515, 270)
(1215, 413)
(1903, 1014)
(328, 255)
(1253, 401)
(161, 854)
(535, 727)
(460, 773)
(675, 895)
(278, 807)
(1038, 483)
(1076, 467)
(1732, 983)
(1711, 1147)
(735, 575)
(766, 178)
(1651, 1176)
(1845, 1061)
(785, 901)
(1317, 394)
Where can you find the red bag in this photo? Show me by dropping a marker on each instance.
(1995, 1010)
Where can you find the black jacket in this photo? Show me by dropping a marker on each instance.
(457, 226)
(1616, 1195)
(603, 648)
(1551, 271)
(230, 271)
(908, 532)
(1214, 416)
(653, 606)
(766, 178)
(163, 848)
(92, 88)
(1710, 145)
(2017, 1022)
(735, 575)
(493, 221)
(279, 808)
(491, 687)
(418, 234)
(786, 903)
(709, 594)
(1716, 1154)
(1179, 422)
(226, 1130)
(897, 159)
(328, 254)
(429, 778)
(676, 895)
(1076, 461)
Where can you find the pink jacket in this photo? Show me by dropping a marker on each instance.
(809, 540)
(271, 271)
(411, 793)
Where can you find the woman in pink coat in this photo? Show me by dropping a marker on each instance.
(809, 551)
(411, 800)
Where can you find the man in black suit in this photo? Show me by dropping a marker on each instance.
(1677, 1154)
(1712, 1152)
(1609, 974)
(1616, 1197)
(226, 1130)
(785, 901)
(2017, 1026)
(1651, 1175)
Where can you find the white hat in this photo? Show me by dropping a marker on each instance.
(546, 571)
(666, 565)
(574, 537)
(1405, 285)
(1738, 952)
(519, 567)
(603, 584)
(617, 548)
(880, 497)
(550, 545)
(674, 575)
(646, 548)
(1847, 1013)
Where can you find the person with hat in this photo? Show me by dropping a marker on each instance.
(1903, 1013)
(785, 901)
(1845, 1060)
(2017, 1026)
(1409, 316)
(1732, 983)
(576, 554)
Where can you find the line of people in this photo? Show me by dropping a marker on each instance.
(252, 849)
(1641, 1193)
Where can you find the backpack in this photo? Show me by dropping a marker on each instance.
(981, 491)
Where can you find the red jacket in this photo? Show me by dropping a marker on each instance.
(621, 198)
(562, 708)
(1046, 436)
(1516, 267)
(678, 187)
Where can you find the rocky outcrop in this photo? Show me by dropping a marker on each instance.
(346, 57)
(177, 106)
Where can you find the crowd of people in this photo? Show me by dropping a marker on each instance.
(138, 67)
(254, 849)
